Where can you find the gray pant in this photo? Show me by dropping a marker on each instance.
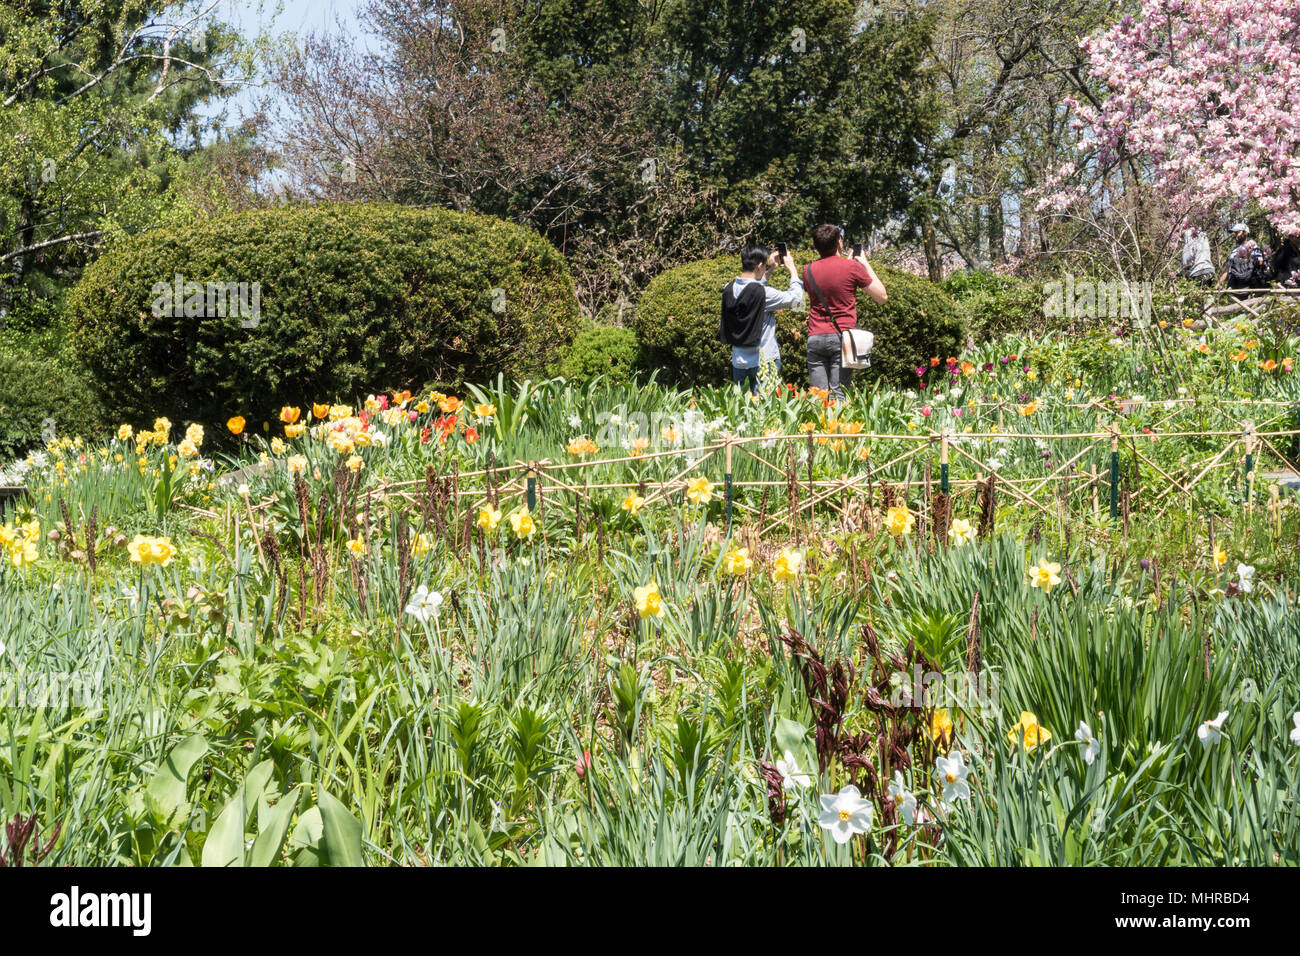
(824, 370)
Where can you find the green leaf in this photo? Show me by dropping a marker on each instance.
(342, 832)
(224, 845)
(167, 788)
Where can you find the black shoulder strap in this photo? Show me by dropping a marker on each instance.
(812, 283)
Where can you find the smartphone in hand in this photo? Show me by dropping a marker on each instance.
(782, 251)
(857, 250)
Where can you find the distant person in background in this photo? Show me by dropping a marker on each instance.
(749, 307)
(1286, 262)
(1196, 257)
(833, 282)
(1246, 269)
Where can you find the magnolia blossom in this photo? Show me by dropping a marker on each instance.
(952, 772)
(1198, 90)
(1091, 746)
(904, 799)
(845, 813)
(791, 775)
(424, 604)
(1211, 730)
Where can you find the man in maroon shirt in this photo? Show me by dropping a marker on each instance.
(832, 283)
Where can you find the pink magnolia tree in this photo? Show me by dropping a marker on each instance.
(1205, 96)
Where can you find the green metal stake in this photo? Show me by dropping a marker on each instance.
(1114, 470)
(727, 479)
(1248, 433)
(943, 460)
(532, 490)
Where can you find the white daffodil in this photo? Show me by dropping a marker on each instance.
(845, 813)
(791, 775)
(3, 649)
(131, 594)
(1245, 578)
(424, 604)
(575, 421)
(952, 771)
(1091, 746)
(1295, 733)
(904, 799)
(1211, 730)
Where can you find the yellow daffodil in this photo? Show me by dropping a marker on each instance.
(632, 503)
(1220, 558)
(1045, 576)
(522, 524)
(124, 433)
(941, 726)
(960, 532)
(421, 544)
(789, 564)
(899, 521)
(485, 411)
(297, 464)
(649, 603)
(1028, 731)
(356, 463)
(699, 491)
(488, 519)
(357, 546)
(278, 447)
(146, 550)
(737, 562)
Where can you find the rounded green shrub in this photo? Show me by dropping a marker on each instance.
(337, 300)
(677, 325)
(41, 397)
(992, 305)
(605, 350)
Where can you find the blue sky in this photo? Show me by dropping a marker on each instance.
(281, 18)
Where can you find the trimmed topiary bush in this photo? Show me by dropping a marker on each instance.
(36, 389)
(677, 325)
(606, 350)
(348, 299)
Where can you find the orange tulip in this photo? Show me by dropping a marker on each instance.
(236, 425)
(321, 411)
(290, 414)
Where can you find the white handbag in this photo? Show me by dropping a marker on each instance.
(855, 348)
